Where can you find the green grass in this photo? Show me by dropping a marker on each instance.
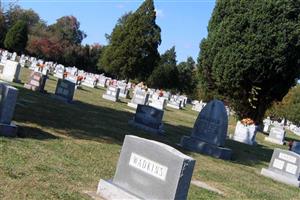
(64, 149)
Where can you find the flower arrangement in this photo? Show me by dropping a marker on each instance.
(247, 121)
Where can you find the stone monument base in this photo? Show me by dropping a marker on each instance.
(243, 140)
(8, 130)
(146, 128)
(110, 98)
(272, 140)
(198, 146)
(281, 178)
(88, 84)
(173, 106)
(132, 105)
(123, 95)
(110, 191)
(158, 106)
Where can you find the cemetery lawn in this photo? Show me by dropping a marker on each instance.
(64, 149)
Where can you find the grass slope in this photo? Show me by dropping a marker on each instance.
(64, 149)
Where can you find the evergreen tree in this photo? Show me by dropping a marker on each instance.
(165, 75)
(3, 28)
(187, 79)
(132, 50)
(251, 55)
(16, 37)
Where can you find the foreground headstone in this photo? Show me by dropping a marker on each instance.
(245, 133)
(209, 132)
(65, 90)
(284, 167)
(37, 82)
(149, 170)
(11, 71)
(8, 99)
(112, 93)
(276, 136)
(148, 118)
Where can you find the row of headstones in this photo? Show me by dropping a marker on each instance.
(25, 61)
(144, 97)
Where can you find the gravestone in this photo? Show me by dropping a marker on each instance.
(8, 99)
(245, 133)
(124, 92)
(159, 103)
(139, 97)
(149, 119)
(198, 106)
(276, 136)
(183, 99)
(37, 82)
(102, 81)
(209, 132)
(112, 93)
(59, 71)
(149, 170)
(267, 125)
(296, 147)
(284, 167)
(65, 90)
(89, 81)
(175, 102)
(11, 71)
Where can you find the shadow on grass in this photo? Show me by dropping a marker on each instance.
(93, 122)
(249, 155)
(34, 133)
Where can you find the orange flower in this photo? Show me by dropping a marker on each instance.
(247, 121)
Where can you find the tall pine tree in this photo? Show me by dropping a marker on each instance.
(251, 55)
(132, 50)
(16, 37)
(165, 75)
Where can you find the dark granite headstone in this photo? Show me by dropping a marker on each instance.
(65, 90)
(148, 118)
(149, 170)
(296, 147)
(8, 99)
(209, 132)
(284, 167)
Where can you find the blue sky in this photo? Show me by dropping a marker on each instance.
(183, 22)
